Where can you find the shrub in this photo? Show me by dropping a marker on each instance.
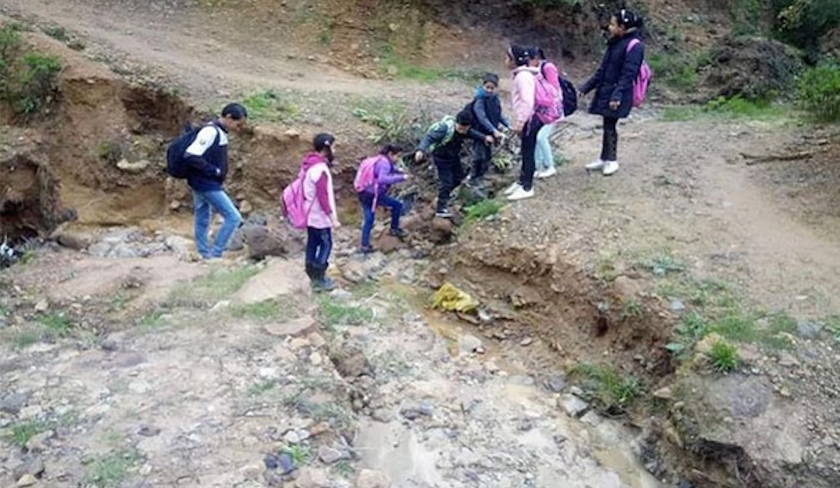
(28, 80)
(724, 356)
(818, 92)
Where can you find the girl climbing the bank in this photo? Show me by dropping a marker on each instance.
(613, 84)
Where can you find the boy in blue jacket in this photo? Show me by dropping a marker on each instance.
(489, 120)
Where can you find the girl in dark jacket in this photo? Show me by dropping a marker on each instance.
(613, 84)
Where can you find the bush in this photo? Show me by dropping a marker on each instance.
(28, 80)
(803, 22)
(818, 92)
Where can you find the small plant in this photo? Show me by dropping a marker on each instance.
(396, 123)
(57, 324)
(818, 92)
(207, 290)
(57, 32)
(110, 470)
(345, 469)
(38, 83)
(663, 264)
(22, 432)
(724, 356)
(483, 209)
(261, 387)
(152, 320)
(632, 309)
(267, 105)
(267, 310)
(110, 151)
(25, 338)
(606, 385)
(335, 313)
(301, 454)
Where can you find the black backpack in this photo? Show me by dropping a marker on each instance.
(177, 165)
(569, 94)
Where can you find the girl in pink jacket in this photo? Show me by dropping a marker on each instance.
(525, 121)
(319, 198)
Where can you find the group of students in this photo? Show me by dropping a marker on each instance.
(534, 80)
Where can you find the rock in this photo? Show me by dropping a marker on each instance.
(414, 412)
(298, 327)
(591, 418)
(353, 271)
(386, 243)
(296, 436)
(441, 230)
(526, 342)
(178, 245)
(32, 465)
(70, 240)
(468, 344)
(663, 393)
(13, 403)
(328, 455)
(367, 478)
(245, 207)
(556, 383)
(136, 167)
(627, 288)
(251, 472)
(148, 430)
(312, 478)
(236, 242)
(39, 442)
(42, 306)
(108, 345)
(27, 480)
(485, 317)
(787, 360)
(263, 242)
(271, 461)
(808, 330)
(572, 405)
(319, 429)
(677, 305)
(316, 359)
(287, 464)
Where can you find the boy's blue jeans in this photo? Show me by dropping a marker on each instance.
(204, 205)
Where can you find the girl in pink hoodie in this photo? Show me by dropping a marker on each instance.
(319, 199)
(525, 122)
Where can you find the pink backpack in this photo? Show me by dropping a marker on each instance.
(545, 100)
(642, 80)
(294, 201)
(366, 175)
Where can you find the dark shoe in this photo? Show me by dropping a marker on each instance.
(321, 283)
(400, 233)
(367, 249)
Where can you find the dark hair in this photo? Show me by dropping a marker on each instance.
(540, 53)
(391, 148)
(323, 141)
(490, 78)
(235, 110)
(628, 19)
(464, 117)
(520, 54)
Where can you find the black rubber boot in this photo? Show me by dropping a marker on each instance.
(321, 282)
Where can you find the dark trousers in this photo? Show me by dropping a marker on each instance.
(450, 175)
(318, 246)
(366, 200)
(529, 149)
(609, 145)
(482, 153)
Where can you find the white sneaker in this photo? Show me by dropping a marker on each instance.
(520, 194)
(595, 165)
(546, 173)
(610, 167)
(512, 188)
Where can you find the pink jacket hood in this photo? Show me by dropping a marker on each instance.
(311, 159)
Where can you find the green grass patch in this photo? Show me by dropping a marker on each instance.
(262, 387)
(264, 311)
(152, 320)
(301, 454)
(678, 70)
(632, 309)
(730, 108)
(662, 264)
(57, 324)
(334, 312)
(110, 470)
(22, 432)
(329, 411)
(483, 209)
(724, 356)
(208, 290)
(606, 385)
(406, 70)
(269, 106)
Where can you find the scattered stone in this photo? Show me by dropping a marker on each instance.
(39, 442)
(296, 436)
(312, 478)
(556, 383)
(251, 472)
(27, 480)
(222, 305)
(572, 405)
(368, 478)
(13, 403)
(316, 359)
(663, 393)
(77, 242)
(677, 305)
(591, 418)
(109, 345)
(148, 430)
(32, 465)
(42, 306)
(297, 327)
(414, 412)
(136, 167)
(319, 429)
(808, 330)
(328, 455)
(271, 461)
(140, 387)
(787, 360)
(287, 464)
(245, 207)
(30, 412)
(485, 317)
(263, 242)
(526, 342)
(341, 294)
(468, 344)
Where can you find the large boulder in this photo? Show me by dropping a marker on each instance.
(266, 241)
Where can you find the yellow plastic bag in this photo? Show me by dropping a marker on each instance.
(454, 300)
